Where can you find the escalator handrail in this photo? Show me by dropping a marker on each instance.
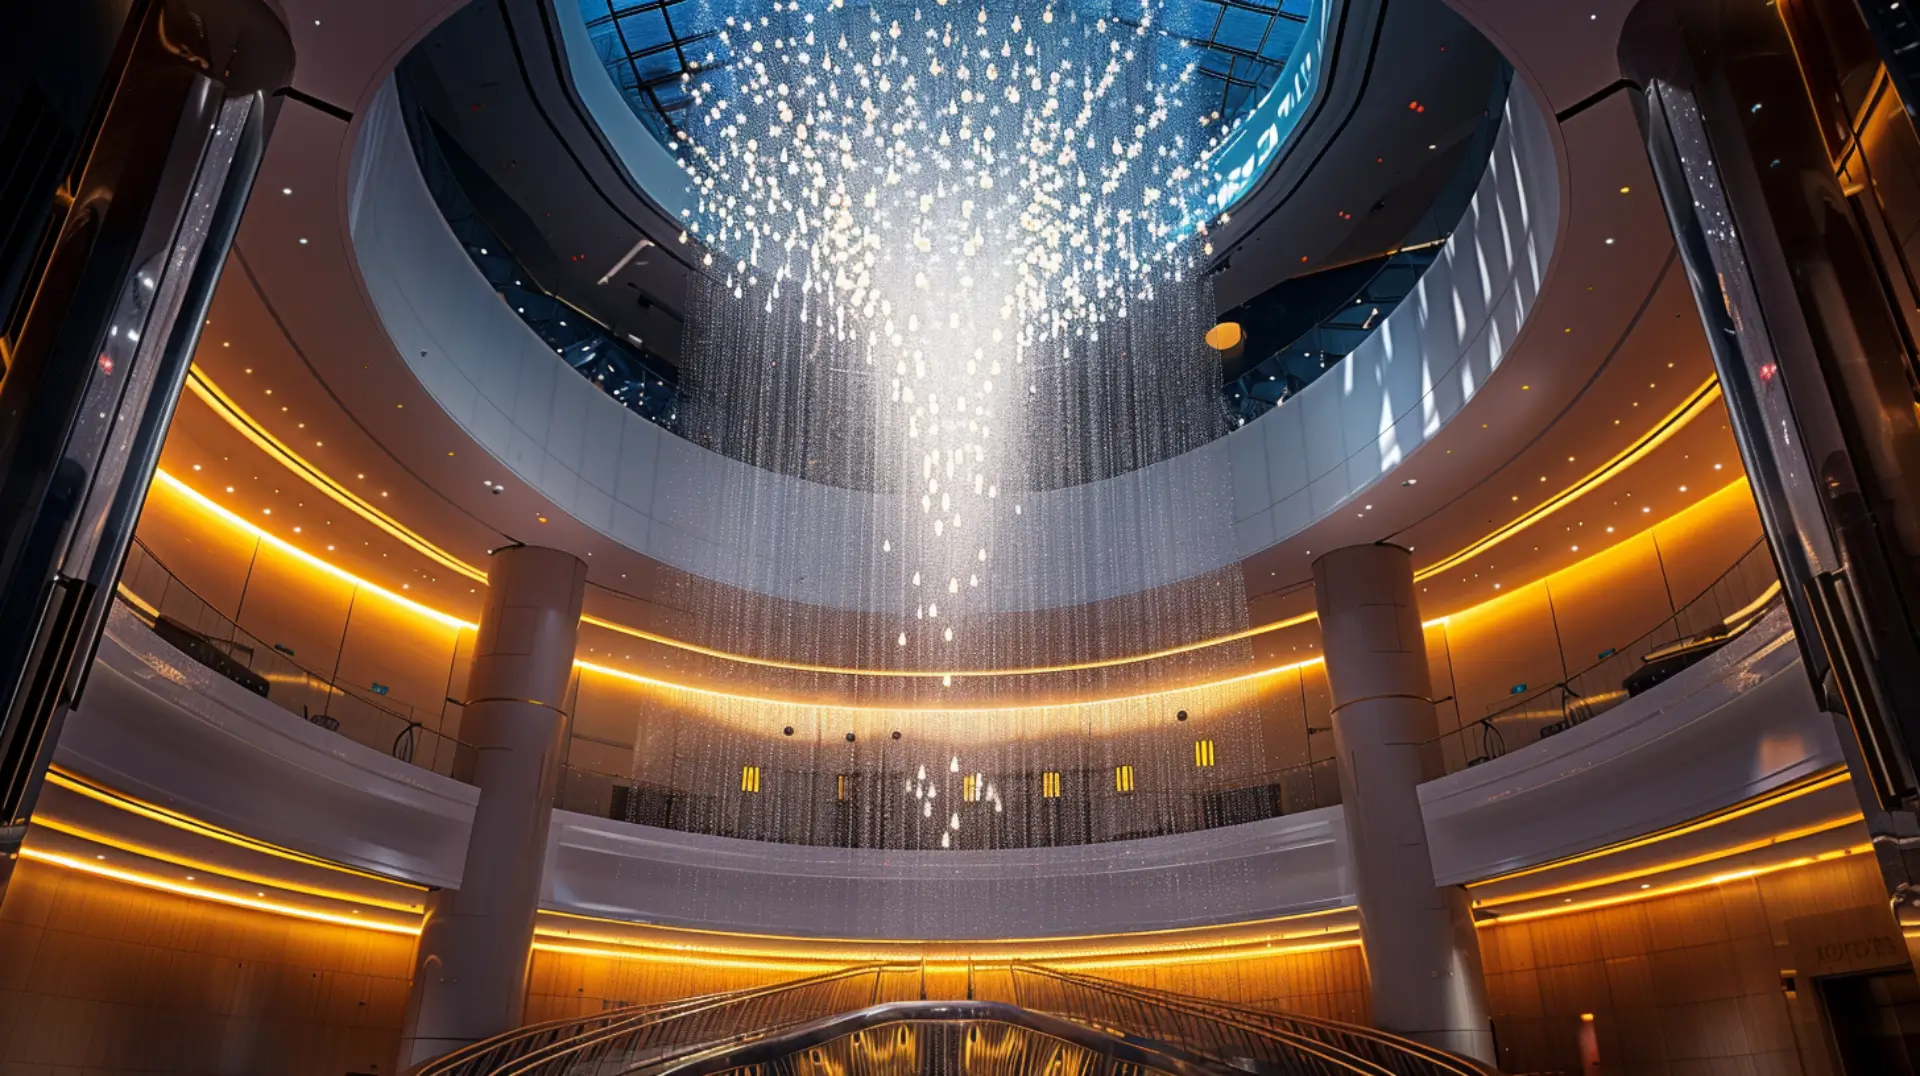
(1251, 1019)
(573, 1047)
(712, 1061)
(1291, 1040)
(450, 1063)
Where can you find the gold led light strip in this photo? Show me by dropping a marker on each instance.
(1251, 949)
(231, 412)
(1806, 786)
(1662, 432)
(232, 519)
(224, 406)
(1772, 839)
(235, 520)
(1124, 951)
(686, 956)
(922, 674)
(200, 892)
(1679, 887)
(818, 707)
(120, 801)
(42, 820)
(732, 956)
(1093, 946)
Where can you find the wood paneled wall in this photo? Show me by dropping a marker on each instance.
(1685, 985)
(99, 977)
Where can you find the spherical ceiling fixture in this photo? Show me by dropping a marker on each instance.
(1228, 338)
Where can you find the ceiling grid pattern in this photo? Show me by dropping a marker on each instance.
(648, 46)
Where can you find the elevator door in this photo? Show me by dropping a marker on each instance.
(1876, 1022)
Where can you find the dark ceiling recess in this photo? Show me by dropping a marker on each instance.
(625, 369)
(1303, 326)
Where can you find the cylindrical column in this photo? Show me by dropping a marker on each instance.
(470, 971)
(1423, 961)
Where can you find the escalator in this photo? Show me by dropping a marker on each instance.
(1019, 1020)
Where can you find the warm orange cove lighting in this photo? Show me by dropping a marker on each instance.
(60, 825)
(1096, 951)
(197, 499)
(1092, 952)
(223, 406)
(1804, 787)
(200, 892)
(1667, 891)
(1676, 420)
(207, 505)
(60, 778)
(823, 707)
(1828, 826)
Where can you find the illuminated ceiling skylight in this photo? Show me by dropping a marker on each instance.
(647, 45)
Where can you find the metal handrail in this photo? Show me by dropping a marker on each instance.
(151, 593)
(1378, 1050)
(1221, 1037)
(698, 1022)
(1579, 699)
(535, 1036)
(1126, 1056)
(715, 1033)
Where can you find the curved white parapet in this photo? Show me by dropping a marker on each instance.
(1730, 728)
(161, 727)
(1237, 874)
(653, 492)
(1300, 462)
(157, 726)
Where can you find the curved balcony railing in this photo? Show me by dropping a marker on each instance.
(1060, 807)
(1730, 605)
(189, 623)
(870, 810)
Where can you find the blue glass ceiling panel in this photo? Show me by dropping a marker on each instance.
(648, 45)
